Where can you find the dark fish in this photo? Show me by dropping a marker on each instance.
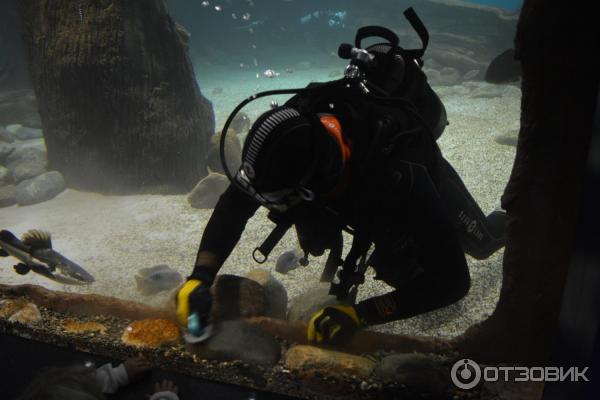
(504, 68)
(35, 252)
(156, 279)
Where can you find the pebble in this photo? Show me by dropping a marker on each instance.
(8, 196)
(206, 193)
(275, 293)
(237, 340)
(39, 189)
(20, 310)
(307, 360)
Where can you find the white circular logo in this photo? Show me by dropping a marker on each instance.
(465, 374)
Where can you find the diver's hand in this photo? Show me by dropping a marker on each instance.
(193, 297)
(333, 324)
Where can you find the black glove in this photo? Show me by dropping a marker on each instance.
(333, 324)
(194, 298)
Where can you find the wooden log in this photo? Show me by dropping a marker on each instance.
(85, 304)
(94, 304)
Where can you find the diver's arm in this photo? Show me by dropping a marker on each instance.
(445, 275)
(223, 231)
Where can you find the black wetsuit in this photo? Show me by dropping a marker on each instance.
(420, 216)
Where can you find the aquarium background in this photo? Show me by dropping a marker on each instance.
(232, 45)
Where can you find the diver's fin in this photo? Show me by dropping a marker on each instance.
(3, 253)
(22, 269)
(150, 270)
(37, 239)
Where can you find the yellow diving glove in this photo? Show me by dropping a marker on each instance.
(193, 297)
(333, 324)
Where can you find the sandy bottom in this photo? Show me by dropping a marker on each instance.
(112, 237)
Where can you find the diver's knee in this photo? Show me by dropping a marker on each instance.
(460, 288)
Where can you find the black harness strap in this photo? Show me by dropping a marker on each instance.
(419, 27)
(270, 242)
(334, 259)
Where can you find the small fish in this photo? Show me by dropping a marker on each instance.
(252, 24)
(288, 261)
(504, 68)
(270, 73)
(205, 3)
(157, 279)
(36, 246)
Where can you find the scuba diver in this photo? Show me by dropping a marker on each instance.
(357, 155)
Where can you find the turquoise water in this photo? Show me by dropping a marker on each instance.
(507, 4)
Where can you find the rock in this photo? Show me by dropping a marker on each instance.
(237, 297)
(241, 123)
(433, 76)
(208, 190)
(40, 189)
(5, 136)
(487, 92)
(13, 129)
(303, 307)
(510, 138)
(25, 153)
(19, 107)
(26, 133)
(238, 340)
(27, 315)
(512, 91)
(417, 372)
(455, 58)
(9, 306)
(5, 151)
(450, 91)
(8, 196)
(27, 169)
(310, 361)
(472, 75)
(276, 295)
(5, 176)
(233, 152)
(151, 333)
(20, 310)
(303, 65)
(73, 326)
(450, 76)
(445, 77)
